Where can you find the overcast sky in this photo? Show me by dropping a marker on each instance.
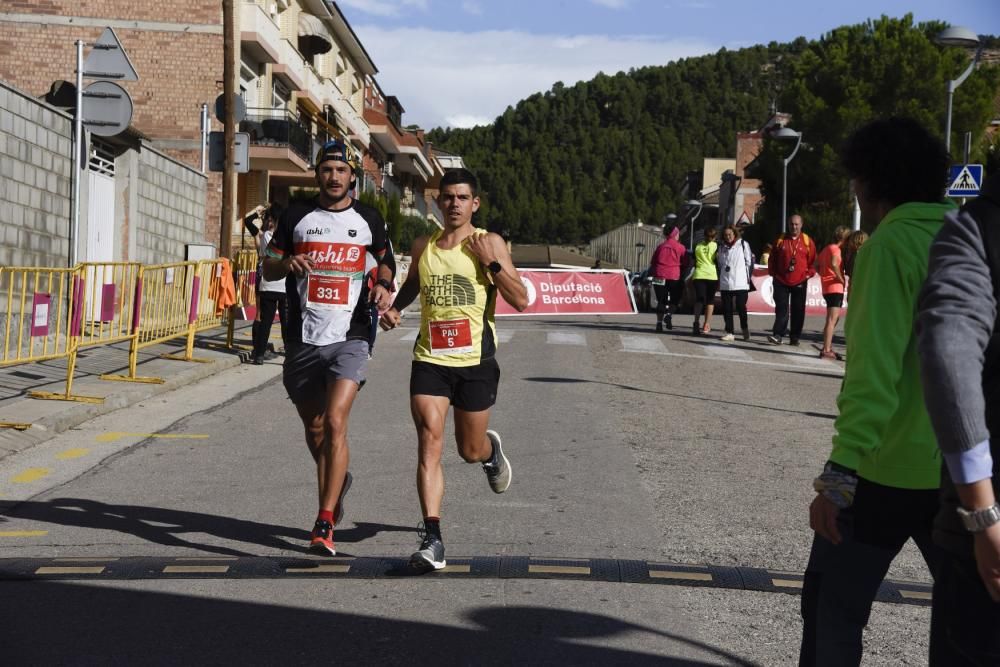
(460, 63)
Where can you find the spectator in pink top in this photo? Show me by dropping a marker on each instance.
(665, 270)
(830, 267)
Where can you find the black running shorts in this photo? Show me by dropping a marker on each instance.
(469, 388)
(834, 300)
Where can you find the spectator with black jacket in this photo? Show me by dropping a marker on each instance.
(270, 293)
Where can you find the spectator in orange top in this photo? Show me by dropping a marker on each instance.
(791, 266)
(829, 264)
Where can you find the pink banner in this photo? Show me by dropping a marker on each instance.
(580, 292)
(762, 301)
(108, 302)
(195, 294)
(76, 326)
(40, 314)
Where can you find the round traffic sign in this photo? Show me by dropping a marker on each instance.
(239, 108)
(107, 108)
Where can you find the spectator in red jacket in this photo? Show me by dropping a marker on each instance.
(791, 266)
(665, 269)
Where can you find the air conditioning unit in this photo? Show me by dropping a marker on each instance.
(387, 170)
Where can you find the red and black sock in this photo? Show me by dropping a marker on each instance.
(325, 515)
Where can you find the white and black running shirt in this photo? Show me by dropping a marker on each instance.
(330, 304)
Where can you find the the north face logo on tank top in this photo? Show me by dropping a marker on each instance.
(448, 290)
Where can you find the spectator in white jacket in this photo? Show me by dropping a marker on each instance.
(735, 261)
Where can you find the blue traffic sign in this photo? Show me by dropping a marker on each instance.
(965, 180)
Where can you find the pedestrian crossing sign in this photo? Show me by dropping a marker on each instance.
(965, 180)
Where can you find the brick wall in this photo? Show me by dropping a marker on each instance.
(178, 70)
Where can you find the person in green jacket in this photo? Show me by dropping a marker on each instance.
(880, 485)
(705, 280)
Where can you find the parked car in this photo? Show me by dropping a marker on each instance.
(643, 292)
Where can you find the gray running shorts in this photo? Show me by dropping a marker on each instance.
(308, 369)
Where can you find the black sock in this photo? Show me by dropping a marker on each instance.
(494, 454)
(432, 525)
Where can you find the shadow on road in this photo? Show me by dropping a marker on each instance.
(57, 623)
(807, 413)
(167, 526)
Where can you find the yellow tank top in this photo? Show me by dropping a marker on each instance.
(457, 306)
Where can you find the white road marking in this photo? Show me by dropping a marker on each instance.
(646, 344)
(563, 338)
(727, 351)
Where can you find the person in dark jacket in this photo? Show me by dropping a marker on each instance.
(959, 343)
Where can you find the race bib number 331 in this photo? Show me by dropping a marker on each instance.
(328, 292)
(451, 336)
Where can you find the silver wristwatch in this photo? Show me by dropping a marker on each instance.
(979, 520)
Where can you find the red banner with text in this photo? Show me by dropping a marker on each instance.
(568, 292)
(761, 302)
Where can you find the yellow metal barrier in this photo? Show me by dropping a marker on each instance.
(35, 305)
(161, 311)
(204, 312)
(42, 320)
(107, 303)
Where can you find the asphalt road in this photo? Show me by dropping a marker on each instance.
(629, 449)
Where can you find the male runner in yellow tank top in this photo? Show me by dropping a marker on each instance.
(456, 272)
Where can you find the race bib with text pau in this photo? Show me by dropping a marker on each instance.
(335, 267)
(450, 336)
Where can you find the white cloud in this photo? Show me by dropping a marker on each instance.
(611, 4)
(472, 7)
(384, 7)
(461, 79)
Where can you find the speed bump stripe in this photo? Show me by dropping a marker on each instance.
(915, 595)
(53, 569)
(23, 533)
(485, 567)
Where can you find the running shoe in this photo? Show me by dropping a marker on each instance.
(338, 511)
(794, 342)
(430, 554)
(322, 539)
(497, 473)
(728, 337)
(774, 340)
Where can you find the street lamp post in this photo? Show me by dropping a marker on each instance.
(692, 205)
(639, 247)
(786, 133)
(965, 38)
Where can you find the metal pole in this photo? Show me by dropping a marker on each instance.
(77, 150)
(204, 135)
(229, 126)
(947, 118)
(784, 198)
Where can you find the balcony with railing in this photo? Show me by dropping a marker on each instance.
(390, 188)
(278, 140)
(260, 38)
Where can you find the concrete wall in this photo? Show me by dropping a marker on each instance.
(36, 169)
(170, 207)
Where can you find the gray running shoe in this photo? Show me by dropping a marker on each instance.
(430, 554)
(338, 511)
(498, 475)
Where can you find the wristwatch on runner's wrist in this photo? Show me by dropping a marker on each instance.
(977, 521)
(494, 267)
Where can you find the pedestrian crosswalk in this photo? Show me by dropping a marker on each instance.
(703, 347)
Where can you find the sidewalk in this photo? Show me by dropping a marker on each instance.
(48, 418)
